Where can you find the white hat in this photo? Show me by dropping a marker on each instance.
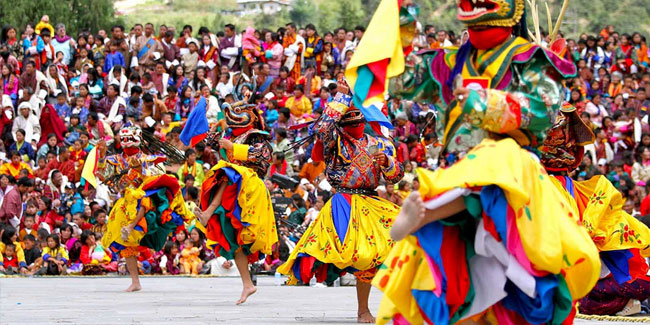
(602, 162)
(269, 96)
(156, 56)
(304, 181)
(206, 166)
(24, 105)
(192, 40)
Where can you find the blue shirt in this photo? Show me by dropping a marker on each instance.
(112, 60)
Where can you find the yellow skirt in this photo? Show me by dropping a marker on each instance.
(351, 234)
(245, 218)
(549, 236)
(164, 207)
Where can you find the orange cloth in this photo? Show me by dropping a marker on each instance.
(311, 171)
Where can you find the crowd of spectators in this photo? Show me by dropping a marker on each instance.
(62, 94)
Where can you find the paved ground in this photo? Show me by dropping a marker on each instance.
(79, 300)
(177, 300)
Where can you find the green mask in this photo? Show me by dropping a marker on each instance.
(503, 13)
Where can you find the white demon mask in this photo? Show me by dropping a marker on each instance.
(130, 137)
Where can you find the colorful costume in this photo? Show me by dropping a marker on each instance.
(142, 184)
(518, 253)
(351, 232)
(245, 219)
(618, 236)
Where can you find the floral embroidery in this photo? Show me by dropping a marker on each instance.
(626, 234)
(598, 197)
(386, 222)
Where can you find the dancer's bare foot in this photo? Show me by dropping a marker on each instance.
(133, 287)
(410, 216)
(246, 292)
(365, 317)
(203, 218)
(126, 231)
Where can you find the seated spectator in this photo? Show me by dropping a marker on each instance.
(28, 226)
(27, 121)
(299, 104)
(23, 148)
(312, 169)
(55, 256)
(14, 167)
(279, 165)
(32, 251)
(168, 261)
(191, 167)
(282, 144)
(190, 260)
(100, 222)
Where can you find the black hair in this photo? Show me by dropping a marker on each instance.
(45, 33)
(285, 111)
(188, 152)
(55, 238)
(6, 236)
(193, 192)
(281, 132)
(84, 236)
(167, 249)
(147, 98)
(25, 181)
(279, 155)
(30, 237)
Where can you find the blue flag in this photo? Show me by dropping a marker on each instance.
(196, 127)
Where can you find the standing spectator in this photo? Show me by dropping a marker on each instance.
(273, 54)
(12, 203)
(313, 48)
(9, 83)
(191, 59)
(113, 58)
(209, 56)
(294, 46)
(171, 52)
(63, 43)
(145, 48)
(9, 39)
(230, 45)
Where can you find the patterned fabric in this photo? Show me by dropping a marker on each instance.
(349, 162)
(422, 282)
(165, 210)
(259, 151)
(350, 234)
(610, 297)
(245, 218)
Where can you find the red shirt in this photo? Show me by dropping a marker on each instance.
(645, 206)
(85, 256)
(13, 262)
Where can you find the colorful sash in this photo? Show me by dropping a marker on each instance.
(146, 48)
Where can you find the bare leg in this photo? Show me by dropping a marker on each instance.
(363, 313)
(241, 260)
(126, 230)
(413, 216)
(204, 216)
(132, 266)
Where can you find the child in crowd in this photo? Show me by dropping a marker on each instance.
(168, 259)
(100, 222)
(28, 225)
(77, 153)
(80, 109)
(55, 256)
(61, 107)
(32, 252)
(41, 170)
(190, 260)
(78, 219)
(113, 58)
(10, 259)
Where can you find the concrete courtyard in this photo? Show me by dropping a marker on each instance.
(173, 300)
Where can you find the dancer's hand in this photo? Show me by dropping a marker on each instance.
(461, 95)
(226, 144)
(101, 148)
(381, 159)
